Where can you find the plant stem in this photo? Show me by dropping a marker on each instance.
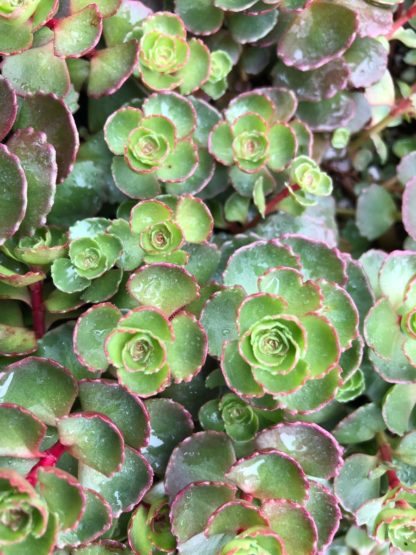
(38, 309)
(270, 207)
(402, 20)
(49, 458)
(385, 455)
(346, 212)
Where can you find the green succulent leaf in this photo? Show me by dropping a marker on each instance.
(23, 432)
(93, 439)
(52, 401)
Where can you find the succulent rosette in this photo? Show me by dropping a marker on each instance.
(23, 515)
(41, 249)
(390, 324)
(67, 474)
(311, 180)
(160, 144)
(221, 65)
(154, 344)
(92, 254)
(240, 420)
(252, 141)
(221, 504)
(167, 59)
(280, 311)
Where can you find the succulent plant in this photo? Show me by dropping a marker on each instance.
(389, 327)
(243, 504)
(166, 55)
(156, 146)
(280, 313)
(207, 264)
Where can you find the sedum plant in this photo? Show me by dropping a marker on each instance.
(207, 269)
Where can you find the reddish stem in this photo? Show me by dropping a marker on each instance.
(270, 207)
(38, 309)
(385, 455)
(51, 24)
(48, 459)
(411, 12)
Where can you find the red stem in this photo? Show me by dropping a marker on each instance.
(270, 207)
(411, 12)
(38, 309)
(385, 455)
(48, 459)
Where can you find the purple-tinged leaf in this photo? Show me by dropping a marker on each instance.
(367, 60)
(170, 423)
(13, 187)
(52, 401)
(294, 524)
(310, 445)
(38, 160)
(14, 38)
(193, 506)
(77, 34)
(93, 439)
(37, 70)
(95, 521)
(373, 20)
(323, 507)
(314, 85)
(47, 113)
(125, 489)
(270, 474)
(406, 170)
(63, 494)
(202, 456)
(409, 208)
(23, 432)
(111, 67)
(327, 115)
(127, 411)
(165, 286)
(90, 334)
(8, 107)
(317, 35)
(231, 517)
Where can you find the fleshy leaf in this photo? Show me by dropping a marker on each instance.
(306, 443)
(52, 401)
(95, 521)
(13, 185)
(63, 494)
(187, 352)
(322, 505)
(376, 212)
(8, 108)
(398, 408)
(127, 412)
(170, 423)
(90, 334)
(45, 112)
(38, 160)
(23, 432)
(355, 485)
(22, 71)
(193, 506)
(317, 35)
(126, 488)
(293, 524)
(164, 286)
(361, 425)
(194, 219)
(409, 200)
(270, 474)
(111, 67)
(93, 439)
(78, 33)
(203, 456)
